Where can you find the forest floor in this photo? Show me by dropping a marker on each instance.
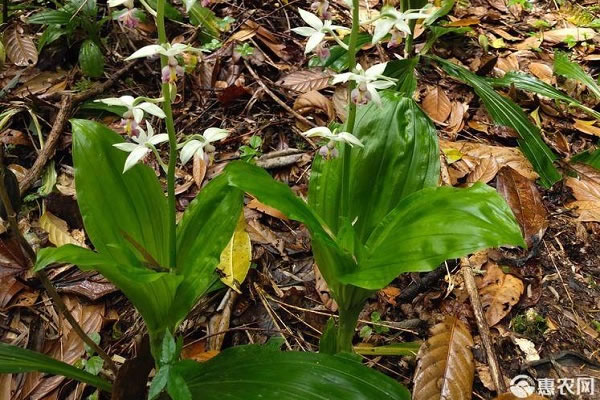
(550, 328)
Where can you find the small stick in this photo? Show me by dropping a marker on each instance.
(14, 226)
(482, 326)
(280, 102)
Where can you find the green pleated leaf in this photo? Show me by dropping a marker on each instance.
(205, 18)
(564, 67)
(114, 202)
(529, 83)
(404, 72)
(400, 157)
(152, 293)
(505, 112)
(338, 56)
(51, 17)
(202, 234)
(14, 359)
(91, 59)
(258, 372)
(431, 226)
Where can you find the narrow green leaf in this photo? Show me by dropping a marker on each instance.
(168, 348)
(14, 359)
(505, 112)
(447, 6)
(589, 157)
(132, 202)
(252, 372)
(204, 231)
(564, 67)
(431, 226)
(177, 387)
(159, 382)
(50, 17)
(529, 83)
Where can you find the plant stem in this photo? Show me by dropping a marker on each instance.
(346, 328)
(166, 92)
(408, 44)
(351, 109)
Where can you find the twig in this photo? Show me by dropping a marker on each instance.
(67, 104)
(482, 326)
(279, 101)
(14, 226)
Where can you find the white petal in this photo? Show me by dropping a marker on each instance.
(349, 138)
(135, 156)
(374, 95)
(116, 3)
(158, 139)
(311, 19)
(153, 109)
(416, 15)
(314, 41)
(189, 149)
(321, 131)
(376, 70)
(381, 84)
(382, 28)
(147, 51)
(304, 31)
(340, 78)
(128, 147)
(403, 26)
(112, 101)
(175, 49)
(189, 4)
(150, 129)
(127, 100)
(138, 114)
(215, 134)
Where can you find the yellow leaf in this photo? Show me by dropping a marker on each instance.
(235, 258)
(57, 229)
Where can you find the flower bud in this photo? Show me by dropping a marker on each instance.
(360, 95)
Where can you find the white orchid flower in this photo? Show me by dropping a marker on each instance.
(202, 144)
(324, 132)
(367, 83)
(168, 50)
(390, 18)
(317, 30)
(144, 144)
(116, 3)
(135, 107)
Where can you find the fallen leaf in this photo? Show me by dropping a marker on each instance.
(437, 105)
(273, 212)
(305, 81)
(587, 127)
(457, 116)
(510, 396)
(20, 47)
(316, 106)
(586, 190)
(533, 42)
(236, 257)
(464, 22)
(525, 200)
(484, 172)
(323, 290)
(445, 368)
(197, 351)
(499, 292)
(541, 71)
(578, 34)
(340, 101)
(57, 229)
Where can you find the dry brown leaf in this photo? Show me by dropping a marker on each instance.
(499, 293)
(586, 190)
(510, 396)
(587, 127)
(305, 81)
(542, 71)
(67, 348)
(505, 156)
(323, 290)
(20, 47)
(508, 63)
(340, 102)
(464, 22)
(484, 172)
(273, 212)
(445, 369)
(559, 35)
(532, 42)
(457, 116)
(198, 170)
(314, 104)
(267, 38)
(525, 200)
(57, 229)
(437, 105)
